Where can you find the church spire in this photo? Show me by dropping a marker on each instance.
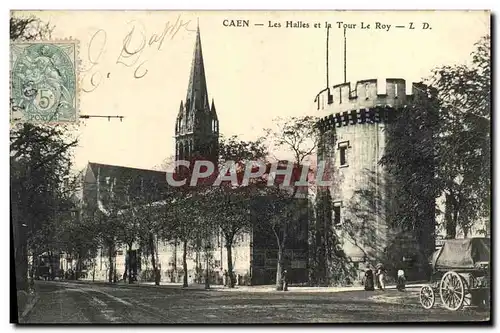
(197, 89)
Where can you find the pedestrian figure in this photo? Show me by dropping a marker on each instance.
(369, 283)
(381, 277)
(401, 280)
(224, 278)
(285, 280)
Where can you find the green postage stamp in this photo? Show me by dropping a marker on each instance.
(44, 82)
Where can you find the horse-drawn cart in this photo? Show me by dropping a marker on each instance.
(461, 274)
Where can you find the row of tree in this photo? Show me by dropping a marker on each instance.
(193, 216)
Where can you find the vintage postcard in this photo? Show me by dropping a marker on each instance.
(182, 167)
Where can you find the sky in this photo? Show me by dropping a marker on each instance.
(254, 74)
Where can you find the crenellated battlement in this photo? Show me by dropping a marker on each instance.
(368, 101)
(364, 94)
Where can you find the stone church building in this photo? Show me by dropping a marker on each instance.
(197, 136)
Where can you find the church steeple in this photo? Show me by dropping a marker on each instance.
(197, 125)
(197, 94)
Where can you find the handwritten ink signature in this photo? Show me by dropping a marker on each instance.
(136, 41)
(95, 51)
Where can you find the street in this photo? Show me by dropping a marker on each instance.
(80, 303)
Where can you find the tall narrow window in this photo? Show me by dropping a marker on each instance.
(181, 151)
(343, 160)
(336, 214)
(343, 153)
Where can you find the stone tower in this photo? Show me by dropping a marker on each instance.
(197, 126)
(358, 207)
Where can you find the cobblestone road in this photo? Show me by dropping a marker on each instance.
(64, 302)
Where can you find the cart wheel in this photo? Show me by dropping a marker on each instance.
(452, 291)
(427, 297)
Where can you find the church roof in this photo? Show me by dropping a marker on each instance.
(197, 88)
(107, 170)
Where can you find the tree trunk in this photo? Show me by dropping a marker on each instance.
(93, 269)
(79, 266)
(450, 217)
(111, 267)
(174, 268)
(156, 274)
(229, 249)
(34, 267)
(207, 272)
(17, 244)
(311, 272)
(455, 221)
(20, 248)
(279, 268)
(184, 264)
(128, 268)
(22, 272)
(49, 256)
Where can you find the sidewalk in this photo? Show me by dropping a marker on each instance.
(272, 288)
(248, 289)
(25, 303)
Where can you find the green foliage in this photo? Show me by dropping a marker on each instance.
(410, 159)
(464, 146)
(440, 144)
(240, 151)
(41, 185)
(299, 135)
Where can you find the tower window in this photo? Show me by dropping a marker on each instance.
(336, 214)
(181, 151)
(343, 153)
(179, 125)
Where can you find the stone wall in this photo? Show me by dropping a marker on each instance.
(353, 140)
